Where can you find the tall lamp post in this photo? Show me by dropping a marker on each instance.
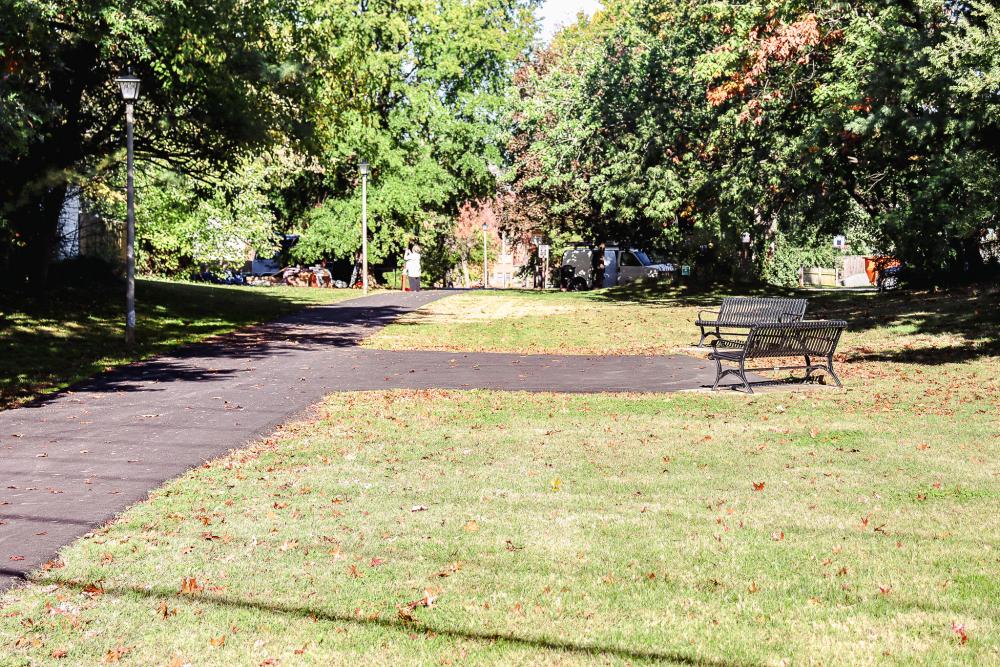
(486, 279)
(363, 168)
(130, 93)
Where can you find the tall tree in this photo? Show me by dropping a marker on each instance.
(430, 80)
(219, 79)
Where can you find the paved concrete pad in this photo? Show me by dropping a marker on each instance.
(72, 462)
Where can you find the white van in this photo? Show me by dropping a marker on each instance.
(620, 266)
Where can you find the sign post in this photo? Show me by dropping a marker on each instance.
(543, 254)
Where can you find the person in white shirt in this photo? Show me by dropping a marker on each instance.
(411, 267)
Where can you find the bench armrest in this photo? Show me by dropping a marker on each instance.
(792, 317)
(716, 312)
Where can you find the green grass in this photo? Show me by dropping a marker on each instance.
(51, 341)
(821, 527)
(656, 319)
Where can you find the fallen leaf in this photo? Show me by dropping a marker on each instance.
(959, 629)
(165, 611)
(778, 535)
(883, 589)
(15, 558)
(471, 526)
(59, 653)
(189, 586)
(178, 661)
(355, 572)
(115, 654)
(94, 590)
(419, 508)
(426, 601)
(753, 587)
(375, 562)
(217, 641)
(758, 486)
(556, 484)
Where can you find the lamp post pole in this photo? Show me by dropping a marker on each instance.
(130, 93)
(130, 233)
(364, 225)
(486, 279)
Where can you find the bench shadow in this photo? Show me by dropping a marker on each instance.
(650, 655)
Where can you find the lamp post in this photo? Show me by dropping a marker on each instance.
(486, 280)
(363, 168)
(130, 93)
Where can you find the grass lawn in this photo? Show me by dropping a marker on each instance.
(649, 319)
(47, 343)
(822, 527)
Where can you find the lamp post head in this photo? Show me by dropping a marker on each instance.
(485, 227)
(363, 168)
(130, 87)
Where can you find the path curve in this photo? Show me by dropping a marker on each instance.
(72, 462)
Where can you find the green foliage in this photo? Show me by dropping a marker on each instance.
(663, 121)
(221, 80)
(781, 266)
(429, 83)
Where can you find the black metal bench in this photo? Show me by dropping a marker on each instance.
(814, 340)
(741, 312)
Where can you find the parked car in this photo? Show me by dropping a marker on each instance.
(618, 266)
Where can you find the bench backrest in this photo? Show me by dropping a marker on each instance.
(751, 310)
(816, 338)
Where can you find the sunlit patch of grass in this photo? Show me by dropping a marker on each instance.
(552, 529)
(542, 322)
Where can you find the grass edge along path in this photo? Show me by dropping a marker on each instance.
(50, 342)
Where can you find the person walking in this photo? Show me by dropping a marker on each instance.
(411, 267)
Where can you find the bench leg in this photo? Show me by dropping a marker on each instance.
(718, 374)
(829, 367)
(743, 376)
(701, 342)
(738, 372)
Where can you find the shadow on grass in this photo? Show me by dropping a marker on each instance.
(59, 337)
(971, 314)
(314, 328)
(400, 625)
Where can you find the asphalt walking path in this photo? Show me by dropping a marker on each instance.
(72, 462)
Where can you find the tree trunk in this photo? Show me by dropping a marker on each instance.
(36, 225)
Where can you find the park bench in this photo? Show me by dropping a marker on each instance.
(815, 340)
(740, 312)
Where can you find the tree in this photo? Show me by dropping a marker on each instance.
(220, 80)
(663, 121)
(430, 82)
